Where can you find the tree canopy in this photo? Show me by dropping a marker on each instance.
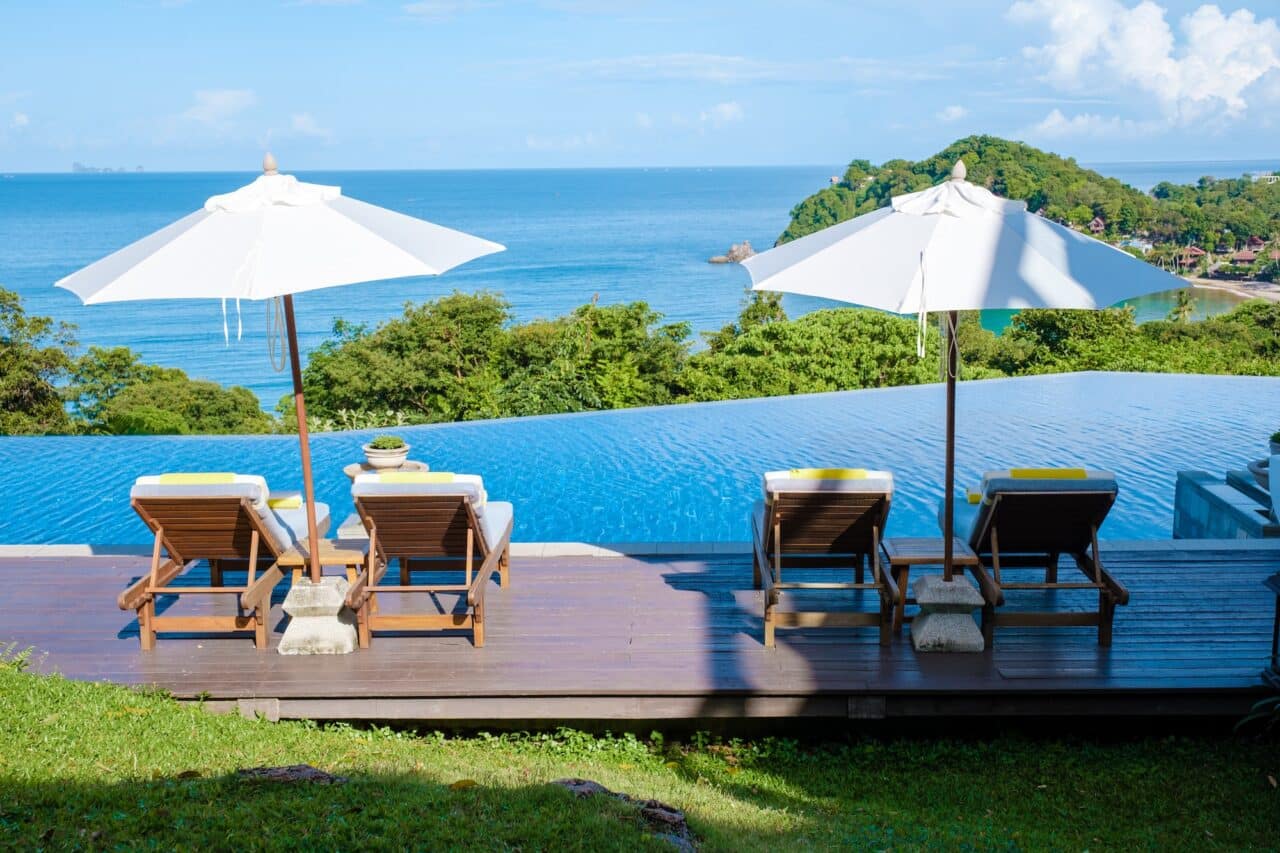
(1212, 211)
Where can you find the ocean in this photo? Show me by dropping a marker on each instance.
(571, 236)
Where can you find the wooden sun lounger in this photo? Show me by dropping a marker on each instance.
(425, 532)
(827, 530)
(1033, 530)
(221, 530)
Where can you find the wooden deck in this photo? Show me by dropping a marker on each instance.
(679, 637)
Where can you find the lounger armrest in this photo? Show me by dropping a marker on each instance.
(987, 586)
(365, 584)
(475, 595)
(136, 594)
(259, 592)
(890, 585)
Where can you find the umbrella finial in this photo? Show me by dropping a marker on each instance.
(958, 171)
(269, 164)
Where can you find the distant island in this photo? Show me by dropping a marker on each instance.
(1224, 231)
(81, 169)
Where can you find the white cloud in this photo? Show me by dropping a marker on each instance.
(442, 10)
(20, 120)
(718, 68)
(1218, 64)
(723, 113)
(955, 112)
(305, 124)
(574, 142)
(216, 107)
(1056, 125)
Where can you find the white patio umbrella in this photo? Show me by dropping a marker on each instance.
(954, 247)
(273, 238)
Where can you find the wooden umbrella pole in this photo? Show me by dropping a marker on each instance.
(948, 498)
(300, 406)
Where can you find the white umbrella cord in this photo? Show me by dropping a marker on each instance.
(226, 338)
(922, 319)
(275, 333)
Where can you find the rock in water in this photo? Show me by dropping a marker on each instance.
(737, 253)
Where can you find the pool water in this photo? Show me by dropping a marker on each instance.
(690, 473)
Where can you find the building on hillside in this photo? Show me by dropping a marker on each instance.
(1265, 178)
(1255, 243)
(1244, 256)
(1098, 225)
(1275, 254)
(1190, 256)
(1141, 244)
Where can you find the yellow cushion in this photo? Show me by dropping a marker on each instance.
(291, 502)
(1048, 474)
(209, 479)
(415, 477)
(829, 473)
(973, 496)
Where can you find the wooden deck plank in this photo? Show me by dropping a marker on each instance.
(637, 638)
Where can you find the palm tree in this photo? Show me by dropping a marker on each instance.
(1184, 307)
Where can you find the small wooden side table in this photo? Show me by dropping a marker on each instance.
(349, 553)
(355, 469)
(905, 552)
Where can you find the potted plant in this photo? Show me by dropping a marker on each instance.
(1275, 442)
(386, 451)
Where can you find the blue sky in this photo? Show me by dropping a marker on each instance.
(204, 84)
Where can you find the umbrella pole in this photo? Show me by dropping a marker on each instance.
(300, 406)
(948, 499)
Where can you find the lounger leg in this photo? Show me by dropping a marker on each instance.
(215, 573)
(477, 625)
(1106, 613)
(988, 625)
(260, 625)
(756, 583)
(146, 624)
(768, 626)
(1051, 569)
(860, 573)
(363, 634)
(901, 576)
(405, 575)
(887, 611)
(504, 568)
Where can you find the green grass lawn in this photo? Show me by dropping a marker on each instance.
(104, 767)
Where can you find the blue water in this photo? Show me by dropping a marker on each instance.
(624, 234)
(691, 473)
(1144, 175)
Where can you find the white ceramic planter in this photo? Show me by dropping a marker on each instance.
(386, 458)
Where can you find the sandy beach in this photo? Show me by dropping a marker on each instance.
(1250, 289)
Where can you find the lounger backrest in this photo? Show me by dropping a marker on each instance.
(1042, 514)
(214, 488)
(422, 519)
(203, 528)
(827, 515)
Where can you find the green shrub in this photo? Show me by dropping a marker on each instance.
(387, 442)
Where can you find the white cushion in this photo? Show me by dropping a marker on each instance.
(470, 486)
(875, 482)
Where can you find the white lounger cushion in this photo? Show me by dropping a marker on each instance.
(286, 527)
(493, 516)
(874, 482)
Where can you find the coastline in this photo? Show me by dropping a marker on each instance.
(1247, 289)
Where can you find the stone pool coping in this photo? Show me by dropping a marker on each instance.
(652, 549)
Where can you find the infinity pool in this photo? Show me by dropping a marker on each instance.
(690, 473)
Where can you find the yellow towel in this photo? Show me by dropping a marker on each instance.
(829, 473)
(973, 496)
(206, 479)
(291, 502)
(1048, 473)
(415, 477)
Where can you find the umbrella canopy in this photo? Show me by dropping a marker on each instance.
(276, 237)
(953, 247)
